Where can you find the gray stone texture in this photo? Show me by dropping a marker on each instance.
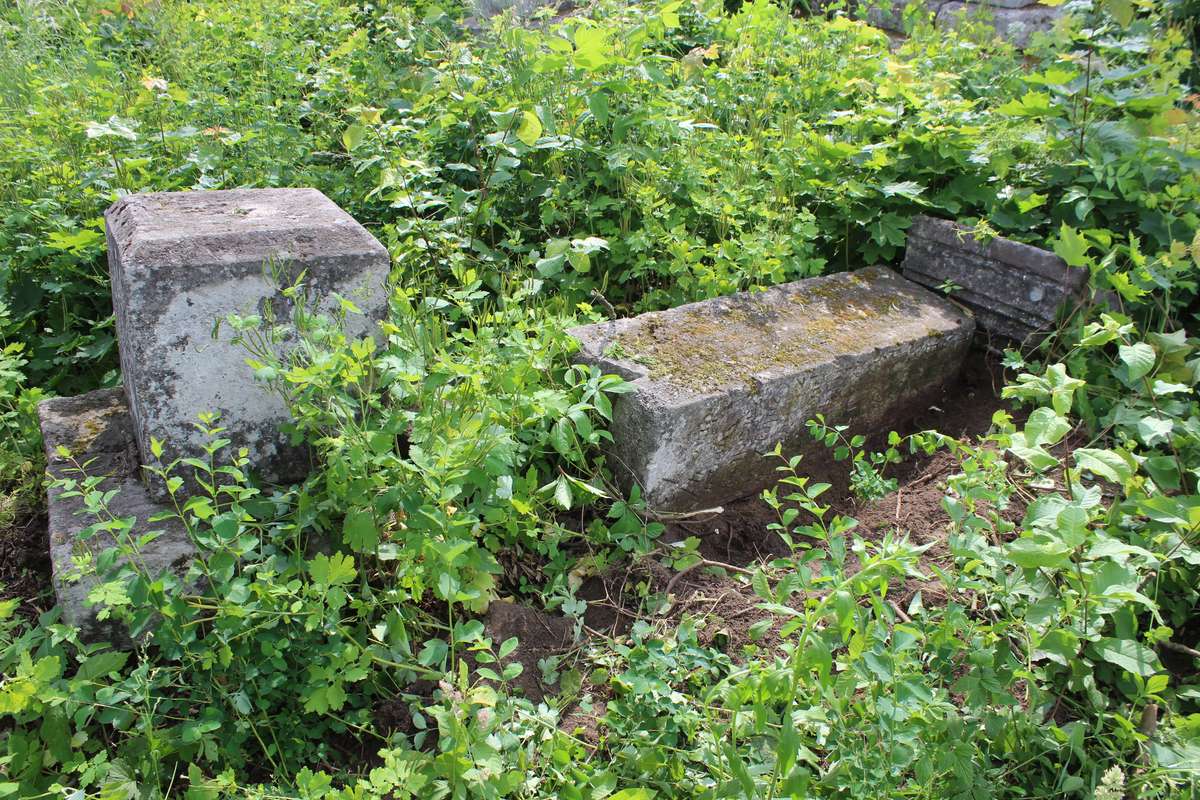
(524, 12)
(180, 261)
(720, 382)
(1014, 289)
(1013, 20)
(1014, 25)
(98, 431)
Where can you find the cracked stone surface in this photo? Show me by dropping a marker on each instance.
(720, 382)
(97, 430)
(180, 261)
(1014, 289)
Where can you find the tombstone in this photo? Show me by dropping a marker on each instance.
(1015, 290)
(719, 383)
(181, 261)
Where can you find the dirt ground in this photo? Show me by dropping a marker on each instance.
(25, 562)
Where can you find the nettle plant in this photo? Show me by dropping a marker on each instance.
(465, 434)
(253, 657)
(462, 435)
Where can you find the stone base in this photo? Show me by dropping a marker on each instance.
(1015, 289)
(721, 382)
(98, 431)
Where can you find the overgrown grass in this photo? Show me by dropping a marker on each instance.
(631, 158)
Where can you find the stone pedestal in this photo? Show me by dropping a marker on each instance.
(180, 262)
(98, 432)
(721, 382)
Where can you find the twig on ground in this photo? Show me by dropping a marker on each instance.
(899, 611)
(1180, 648)
(704, 562)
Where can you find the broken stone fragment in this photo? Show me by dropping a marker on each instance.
(720, 382)
(182, 261)
(97, 430)
(1014, 289)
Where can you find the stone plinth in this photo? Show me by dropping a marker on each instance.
(97, 430)
(720, 382)
(1014, 289)
(181, 261)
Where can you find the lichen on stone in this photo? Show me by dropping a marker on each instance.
(732, 340)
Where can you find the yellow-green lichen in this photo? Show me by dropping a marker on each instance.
(734, 340)
(94, 424)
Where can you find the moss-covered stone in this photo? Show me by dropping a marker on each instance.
(721, 381)
(708, 346)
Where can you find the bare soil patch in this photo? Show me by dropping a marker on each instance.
(25, 563)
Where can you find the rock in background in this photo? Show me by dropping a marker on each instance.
(1015, 21)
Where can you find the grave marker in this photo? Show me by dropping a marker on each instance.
(181, 261)
(720, 382)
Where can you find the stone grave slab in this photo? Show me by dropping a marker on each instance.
(720, 382)
(180, 261)
(1015, 289)
(98, 431)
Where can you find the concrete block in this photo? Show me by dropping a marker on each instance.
(180, 261)
(98, 431)
(1014, 289)
(720, 382)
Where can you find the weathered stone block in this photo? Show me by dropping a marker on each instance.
(98, 431)
(1014, 24)
(1014, 20)
(720, 382)
(1014, 289)
(180, 261)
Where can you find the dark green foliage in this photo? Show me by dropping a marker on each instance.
(326, 643)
